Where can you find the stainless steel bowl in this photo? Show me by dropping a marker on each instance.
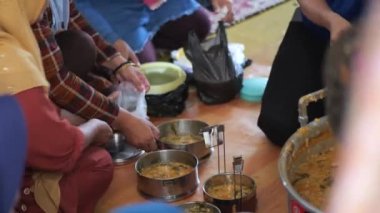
(199, 207)
(121, 151)
(116, 144)
(310, 139)
(247, 203)
(184, 127)
(168, 189)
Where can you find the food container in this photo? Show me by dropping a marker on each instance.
(169, 189)
(163, 77)
(312, 138)
(199, 207)
(308, 140)
(121, 152)
(229, 204)
(168, 89)
(179, 130)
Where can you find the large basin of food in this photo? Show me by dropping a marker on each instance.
(306, 165)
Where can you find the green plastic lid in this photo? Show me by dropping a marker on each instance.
(163, 77)
(253, 89)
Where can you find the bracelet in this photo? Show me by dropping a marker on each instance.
(121, 65)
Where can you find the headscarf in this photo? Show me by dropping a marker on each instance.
(21, 69)
(20, 61)
(60, 13)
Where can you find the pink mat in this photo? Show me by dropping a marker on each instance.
(246, 8)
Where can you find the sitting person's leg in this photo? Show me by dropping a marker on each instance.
(79, 55)
(296, 71)
(89, 180)
(78, 51)
(173, 34)
(148, 53)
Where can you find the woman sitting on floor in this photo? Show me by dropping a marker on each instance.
(66, 171)
(146, 26)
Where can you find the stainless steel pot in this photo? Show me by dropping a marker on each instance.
(248, 203)
(184, 127)
(199, 207)
(170, 189)
(310, 139)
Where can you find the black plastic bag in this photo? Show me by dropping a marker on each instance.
(168, 104)
(213, 69)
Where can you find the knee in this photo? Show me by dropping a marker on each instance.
(74, 45)
(99, 161)
(203, 26)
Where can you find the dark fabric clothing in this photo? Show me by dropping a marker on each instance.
(13, 142)
(78, 51)
(79, 55)
(296, 71)
(67, 90)
(173, 34)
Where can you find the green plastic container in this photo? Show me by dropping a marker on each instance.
(253, 89)
(163, 77)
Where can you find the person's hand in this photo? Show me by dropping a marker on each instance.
(337, 26)
(220, 4)
(114, 96)
(132, 73)
(126, 51)
(72, 118)
(356, 183)
(96, 132)
(103, 132)
(141, 133)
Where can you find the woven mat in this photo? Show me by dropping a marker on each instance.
(244, 9)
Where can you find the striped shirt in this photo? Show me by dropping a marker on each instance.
(66, 89)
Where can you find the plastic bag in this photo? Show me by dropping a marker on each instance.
(132, 100)
(214, 72)
(168, 104)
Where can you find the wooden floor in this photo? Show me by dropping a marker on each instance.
(242, 138)
(261, 36)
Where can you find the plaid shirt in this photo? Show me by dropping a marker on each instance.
(66, 89)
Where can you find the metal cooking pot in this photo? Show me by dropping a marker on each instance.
(168, 189)
(184, 127)
(197, 206)
(248, 203)
(311, 138)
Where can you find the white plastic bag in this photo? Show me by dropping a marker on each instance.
(132, 100)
